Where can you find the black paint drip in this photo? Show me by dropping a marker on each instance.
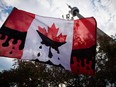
(52, 44)
(40, 47)
(50, 53)
(12, 34)
(87, 53)
(49, 62)
(38, 54)
(6, 43)
(58, 58)
(10, 52)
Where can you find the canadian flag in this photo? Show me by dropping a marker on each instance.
(68, 44)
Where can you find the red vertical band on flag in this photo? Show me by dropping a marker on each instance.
(19, 20)
(84, 33)
(13, 33)
(84, 46)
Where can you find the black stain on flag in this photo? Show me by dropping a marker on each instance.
(12, 35)
(50, 43)
(49, 62)
(84, 59)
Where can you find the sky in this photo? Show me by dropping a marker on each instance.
(102, 10)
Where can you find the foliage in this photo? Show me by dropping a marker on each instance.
(34, 74)
(108, 50)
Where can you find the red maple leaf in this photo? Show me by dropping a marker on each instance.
(52, 33)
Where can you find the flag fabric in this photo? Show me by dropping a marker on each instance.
(68, 44)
